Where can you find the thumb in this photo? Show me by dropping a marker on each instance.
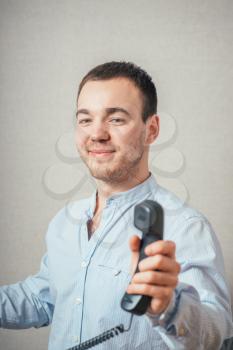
(134, 244)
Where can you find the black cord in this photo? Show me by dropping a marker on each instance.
(102, 337)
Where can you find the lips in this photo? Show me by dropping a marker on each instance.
(100, 151)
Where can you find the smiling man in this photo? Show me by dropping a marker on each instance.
(90, 262)
(112, 138)
(111, 132)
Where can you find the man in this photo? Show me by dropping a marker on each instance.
(90, 261)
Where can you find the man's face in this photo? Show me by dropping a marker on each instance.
(110, 133)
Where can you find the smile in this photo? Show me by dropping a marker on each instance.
(100, 153)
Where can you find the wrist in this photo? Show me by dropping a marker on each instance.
(162, 318)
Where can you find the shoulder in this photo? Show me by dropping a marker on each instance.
(71, 213)
(175, 207)
(180, 217)
(188, 228)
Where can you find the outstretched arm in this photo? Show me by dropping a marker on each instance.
(195, 313)
(28, 303)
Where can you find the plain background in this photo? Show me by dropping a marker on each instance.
(46, 47)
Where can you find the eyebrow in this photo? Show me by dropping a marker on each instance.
(108, 111)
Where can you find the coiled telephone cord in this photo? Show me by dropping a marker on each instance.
(102, 337)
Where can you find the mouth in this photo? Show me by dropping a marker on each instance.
(100, 153)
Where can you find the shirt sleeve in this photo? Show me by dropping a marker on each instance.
(28, 303)
(199, 315)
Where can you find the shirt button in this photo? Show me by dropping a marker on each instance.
(109, 201)
(181, 331)
(78, 301)
(75, 339)
(84, 263)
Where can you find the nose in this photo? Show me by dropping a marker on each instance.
(99, 132)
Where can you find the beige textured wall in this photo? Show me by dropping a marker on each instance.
(46, 47)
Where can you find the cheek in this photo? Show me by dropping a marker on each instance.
(80, 138)
(132, 138)
(125, 137)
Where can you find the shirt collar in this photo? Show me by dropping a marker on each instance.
(139, 191)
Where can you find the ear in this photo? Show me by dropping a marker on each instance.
(152, 128)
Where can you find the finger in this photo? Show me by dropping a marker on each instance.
(134, 243)
(155, 278)
(167, 248)
(159, 262)
(150, 290)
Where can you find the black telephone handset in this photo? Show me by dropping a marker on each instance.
(149, 218)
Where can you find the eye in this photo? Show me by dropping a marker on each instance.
(117, 120)
(84, 121)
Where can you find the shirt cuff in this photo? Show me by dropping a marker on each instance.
(163, 318)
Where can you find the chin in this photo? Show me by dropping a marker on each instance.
(107, 176)
(110, 175)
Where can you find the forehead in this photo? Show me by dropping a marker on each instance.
(117, 92)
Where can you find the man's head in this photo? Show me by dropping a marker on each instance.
(116, 121)
(135, 74)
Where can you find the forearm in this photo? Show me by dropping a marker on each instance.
(27, 304)
(21, 308)
(193, 323)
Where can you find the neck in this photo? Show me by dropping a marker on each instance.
(107, 189)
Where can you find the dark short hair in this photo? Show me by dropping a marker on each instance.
(129, 70)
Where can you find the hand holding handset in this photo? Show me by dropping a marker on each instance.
(149, 218)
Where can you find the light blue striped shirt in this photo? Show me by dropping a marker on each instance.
(81, 282)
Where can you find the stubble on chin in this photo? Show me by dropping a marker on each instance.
(122, 167)
(115, 171)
